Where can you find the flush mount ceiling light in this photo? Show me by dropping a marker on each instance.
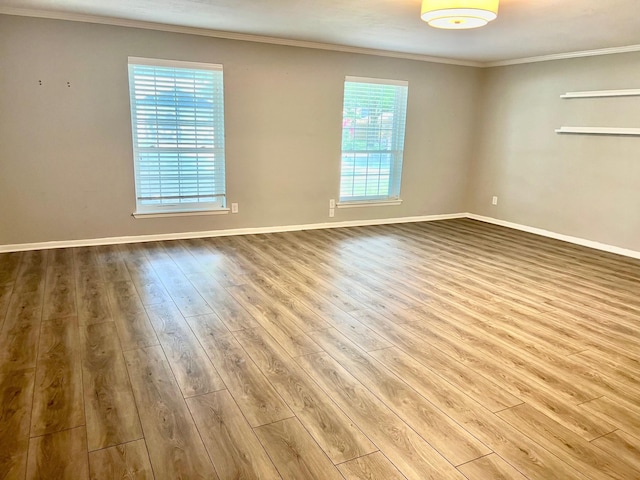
(459, 14)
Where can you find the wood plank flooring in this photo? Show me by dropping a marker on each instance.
(442, 350)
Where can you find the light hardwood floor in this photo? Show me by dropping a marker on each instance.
(443, 350)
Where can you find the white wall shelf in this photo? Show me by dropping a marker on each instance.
(599, 131)
(603, 93)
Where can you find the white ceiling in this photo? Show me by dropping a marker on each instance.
(524, 28)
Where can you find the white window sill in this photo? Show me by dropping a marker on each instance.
(366, 203)
(188, 213)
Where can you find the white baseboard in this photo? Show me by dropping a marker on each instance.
(20, 247)
(558, 236)
(314, 226)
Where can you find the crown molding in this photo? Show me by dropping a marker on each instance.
(563, 56)
(205, 32)
(164, 27)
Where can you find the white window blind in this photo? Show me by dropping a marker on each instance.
(373, 124)
(177, 116)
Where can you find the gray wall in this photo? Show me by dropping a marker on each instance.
(65, 152)
(66, 167)
(579, 185)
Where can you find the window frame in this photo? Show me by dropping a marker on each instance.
(397, 154)
(218, 101)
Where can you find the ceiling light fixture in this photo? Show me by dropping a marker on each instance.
(459, 14)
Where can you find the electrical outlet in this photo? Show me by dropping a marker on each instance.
(332, 203)
(234, 208)
(494, 200)
(332, 212)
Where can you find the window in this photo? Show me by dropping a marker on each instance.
(177, 117)
(373, 121)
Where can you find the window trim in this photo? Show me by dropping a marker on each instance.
(377, 81)
(181, 213)
(160, 62)
(369, 203)
(177, 209)
(376, 200)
